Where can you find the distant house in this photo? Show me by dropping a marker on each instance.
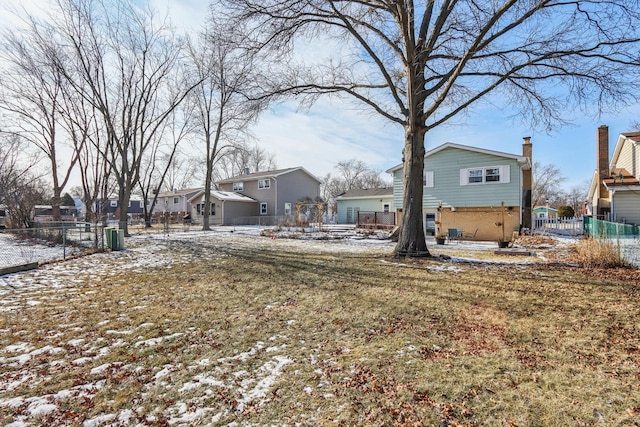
(614, 194)
(276, 192)
(44, 213)
(226, 207)
(135, 207)
(3, 216)
(484, 193)
(351, 202)
(544, 212)
(176, 202)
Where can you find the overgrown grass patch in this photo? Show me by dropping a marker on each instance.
(599, 253)
(212, 334)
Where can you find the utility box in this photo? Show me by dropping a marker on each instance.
(107, 236)
(115, 238)
(120, 239)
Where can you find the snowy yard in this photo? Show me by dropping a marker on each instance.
(231, 328)
(88, 349)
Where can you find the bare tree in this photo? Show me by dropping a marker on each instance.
(420, 64)
(223, 110)
(20, 187)
(84, 127)
(547, 185)
(348, 175)
(183, 171)
(244, 157)
(576, 197)
(159, 161)
(16, 165)
(123, 61)
(33, 93)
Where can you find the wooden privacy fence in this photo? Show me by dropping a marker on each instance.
(376, 219)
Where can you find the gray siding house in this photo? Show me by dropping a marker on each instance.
(226, 207)
(363, 200)
(175, 201)
(483, 192)
(276, 191)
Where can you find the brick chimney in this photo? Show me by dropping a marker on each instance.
(527, 184)
(602, 148)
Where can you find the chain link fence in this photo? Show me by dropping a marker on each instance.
(48, 242)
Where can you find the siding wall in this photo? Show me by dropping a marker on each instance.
(232, 210)
(294, 186)
(446, 166)
(363, 205)
(290, 187)
(625, 159)
(626, 207)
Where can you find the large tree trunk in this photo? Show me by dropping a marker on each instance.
(411, 241)
(123, 220)
(206, 208)
(55, 205)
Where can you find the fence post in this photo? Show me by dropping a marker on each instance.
(64, 242)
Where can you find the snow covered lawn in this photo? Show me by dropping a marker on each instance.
(230, 328)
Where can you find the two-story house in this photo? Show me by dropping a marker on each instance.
(135, 208)
(276, 191)
(485, 194)
(614, 194)
(175, 201)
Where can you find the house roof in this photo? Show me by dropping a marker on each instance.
(225, 196)
(623, 180)
(132, 197)
(633, 137)
(544, 209)
(522, 160)
(183, 192)
(366, 193)
(266, 174)
(620, 177)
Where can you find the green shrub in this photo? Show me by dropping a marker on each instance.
(566, 211)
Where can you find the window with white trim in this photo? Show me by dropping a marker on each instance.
(263, 208)
(238, 186)
(264, 183)
(176, 200)
(200, 209)
(287, 208)
(386, 208)
(113, 203)
(475, 176)
(492, 174)
(427, 179)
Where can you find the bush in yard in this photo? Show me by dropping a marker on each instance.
(566, 211)
(600, 254)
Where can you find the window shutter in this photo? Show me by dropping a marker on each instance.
(428, 176)
(464, 177)
(505, 174)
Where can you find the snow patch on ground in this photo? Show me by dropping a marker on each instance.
(248, 374)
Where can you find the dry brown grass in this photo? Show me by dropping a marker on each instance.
(372, 341)
(596, 253)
